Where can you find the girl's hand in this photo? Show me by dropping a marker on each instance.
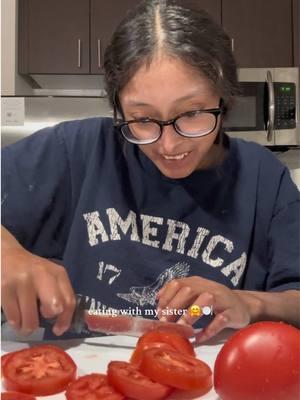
(228, 306)
(27, 278)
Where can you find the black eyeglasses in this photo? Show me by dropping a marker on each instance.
(190, 124)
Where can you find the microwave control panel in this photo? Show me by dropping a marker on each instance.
(285, 105)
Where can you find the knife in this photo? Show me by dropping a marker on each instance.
(87, 322)
(127, 325)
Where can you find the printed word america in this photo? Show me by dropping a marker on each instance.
(175, 238)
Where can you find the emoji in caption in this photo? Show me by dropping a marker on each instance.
(195, 311)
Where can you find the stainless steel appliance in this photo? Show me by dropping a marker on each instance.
(267, 111)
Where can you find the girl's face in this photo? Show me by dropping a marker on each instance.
(163, 90)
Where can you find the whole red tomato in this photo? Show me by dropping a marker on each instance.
(261, 362)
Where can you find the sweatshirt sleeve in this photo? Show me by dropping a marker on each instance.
(284, 238)
(36, 192)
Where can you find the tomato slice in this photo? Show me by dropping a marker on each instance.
(4, 359)
(41, 370)
(92, 387)
(174, 339)
(178, 370)
(16, 396)
(137, 354)
(132, 383)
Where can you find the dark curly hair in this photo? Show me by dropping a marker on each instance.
(164, 25)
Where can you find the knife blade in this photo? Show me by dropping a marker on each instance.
(87, 322)
(132, 326)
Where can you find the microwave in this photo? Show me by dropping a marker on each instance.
(267, 109)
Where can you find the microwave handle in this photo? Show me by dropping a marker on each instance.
(271, 107)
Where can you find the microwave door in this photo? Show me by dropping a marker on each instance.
(249, 117)
(267, 111)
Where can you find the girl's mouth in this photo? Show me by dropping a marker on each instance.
(180, 156)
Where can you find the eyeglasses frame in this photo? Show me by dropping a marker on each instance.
(119, 123)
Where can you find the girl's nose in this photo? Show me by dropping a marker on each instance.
(169, 140)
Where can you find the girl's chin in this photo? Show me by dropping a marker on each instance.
(175, 173)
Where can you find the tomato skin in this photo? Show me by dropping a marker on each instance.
(27, 370)
(259, 362)
(16, 396)
(94, 386)
(180, 371)
(132, 383)
(174, 339)
(137, 354)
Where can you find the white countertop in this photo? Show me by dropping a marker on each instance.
(291, 159)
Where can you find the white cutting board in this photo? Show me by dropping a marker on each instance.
(93, 355)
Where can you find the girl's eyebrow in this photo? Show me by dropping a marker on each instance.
(137, 103)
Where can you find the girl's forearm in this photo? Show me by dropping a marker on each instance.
(275, 306)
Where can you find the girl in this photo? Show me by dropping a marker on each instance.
(158, 208)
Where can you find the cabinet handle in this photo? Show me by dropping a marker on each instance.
(232, 45)
(79, 54)
(99, 52)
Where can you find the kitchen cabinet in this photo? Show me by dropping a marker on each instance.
(54, 37)
(70, 36)
(105, 16)
(66, 36)
(261, 31)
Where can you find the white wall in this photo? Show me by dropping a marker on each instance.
(11, 82)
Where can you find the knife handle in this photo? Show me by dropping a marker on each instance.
(43, 322)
